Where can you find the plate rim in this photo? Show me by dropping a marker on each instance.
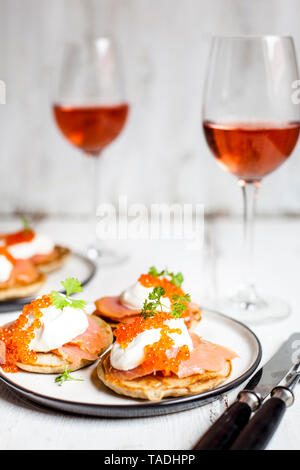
(148, 408)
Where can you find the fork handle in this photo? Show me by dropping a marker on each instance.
(226, 429)
(261, 427)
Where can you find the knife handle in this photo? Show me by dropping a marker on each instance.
(262, 426)
(225, 430)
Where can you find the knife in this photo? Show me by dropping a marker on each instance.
(260, 429)
(226, 429)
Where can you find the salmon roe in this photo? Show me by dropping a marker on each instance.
(26, 235)
(17, 338)
(156, 355)
(125, 333)
(147, 280)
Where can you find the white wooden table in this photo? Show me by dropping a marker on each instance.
(25, 426)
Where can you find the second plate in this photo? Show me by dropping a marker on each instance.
(79, 264)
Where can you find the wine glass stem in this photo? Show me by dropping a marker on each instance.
(250, 191)
(95, 201)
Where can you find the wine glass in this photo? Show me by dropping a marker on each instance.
(90, 110)
(251, 126)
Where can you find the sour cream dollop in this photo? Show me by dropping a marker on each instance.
(135, 296)
(58, 328)
(6, 268)
(133, 355)
(39, 245)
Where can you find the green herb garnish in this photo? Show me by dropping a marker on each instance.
(153, 271)
(150, 307)
(58, 300)
(179, 305)
(176, 279)
(25, 223)
(65, 376)
(154, 302)
(71, 286)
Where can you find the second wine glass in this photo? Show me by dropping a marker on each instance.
(251, 126)
(90, 110)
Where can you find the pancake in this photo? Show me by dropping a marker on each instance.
(62, 254)
(156, 387)
(51, 363)
(20, 290)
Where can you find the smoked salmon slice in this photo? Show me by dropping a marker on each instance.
(2, 352)
(73, 354)
(112, 308)
(205, 357)
(92, 339)
(136, 373)
(40, 259)
(23, 272)
(85, 346)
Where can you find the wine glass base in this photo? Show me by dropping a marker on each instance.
(268, 310)
(105, 256)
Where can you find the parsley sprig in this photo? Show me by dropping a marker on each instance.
(176, 279)
(25, 223)
(65, 376)
(179, 304)
(154, 302)
(71, 286)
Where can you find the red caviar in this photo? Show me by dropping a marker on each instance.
(159, 355)
(156, 355)
(147, 280)
(17, 337)
(125, 333)
(26, 235)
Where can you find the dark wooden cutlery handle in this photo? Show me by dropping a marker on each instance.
(226, 429)
(261, 427)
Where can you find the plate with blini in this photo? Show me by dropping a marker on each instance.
(90, 397)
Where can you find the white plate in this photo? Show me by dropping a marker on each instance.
(91, 397)
(77, 263)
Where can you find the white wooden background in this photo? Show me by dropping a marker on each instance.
(164, 45)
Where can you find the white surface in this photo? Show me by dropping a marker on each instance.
(164, 46)
(278, 248)
(214, 328)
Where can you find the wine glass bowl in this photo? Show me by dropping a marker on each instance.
(251, 151)
(251, 126)
(90, 110)
(91, 128)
